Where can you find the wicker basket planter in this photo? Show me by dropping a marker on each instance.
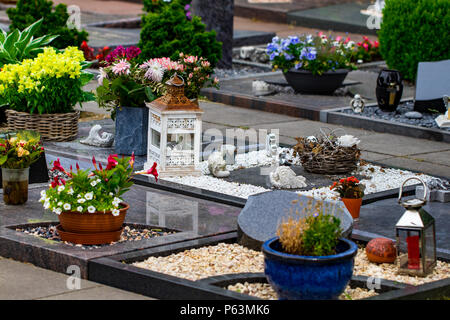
(327, 159)
(52, 127)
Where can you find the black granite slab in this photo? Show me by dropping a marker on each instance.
(194, 218)
(224, 281)
(381, 216)
(258, 176)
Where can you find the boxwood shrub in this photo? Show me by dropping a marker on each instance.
(27, 12)
(413, 31)
(167, 31)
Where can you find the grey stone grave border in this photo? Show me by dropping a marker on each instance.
(336, 116)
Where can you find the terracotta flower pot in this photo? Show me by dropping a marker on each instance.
(97, 222)
(353, 206)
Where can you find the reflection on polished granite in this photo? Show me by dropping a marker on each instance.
(194, 218)
(381, 217)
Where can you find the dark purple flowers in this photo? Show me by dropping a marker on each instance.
(121, 53)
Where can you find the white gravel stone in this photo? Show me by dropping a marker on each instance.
(379, 179)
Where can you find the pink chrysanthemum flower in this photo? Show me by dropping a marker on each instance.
(121, 67)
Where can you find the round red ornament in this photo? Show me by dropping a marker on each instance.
(381, 250)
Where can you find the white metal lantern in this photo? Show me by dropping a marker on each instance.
(416, 237)
(175, 128)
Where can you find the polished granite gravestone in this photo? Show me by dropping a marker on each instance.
(259, 176)
(262, 214)
(218, 16)
(193, 218)
(381, 217)
(432, 84)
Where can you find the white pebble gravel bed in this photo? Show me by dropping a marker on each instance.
(266, 292)
(227, 258)
(379, 179)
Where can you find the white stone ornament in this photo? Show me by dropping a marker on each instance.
(347, 141)
(94, 139)
(271, 145)
(443, 121)
(217, 165)
(260, 88)
(285, 178)
(229, 152)
(357, 104)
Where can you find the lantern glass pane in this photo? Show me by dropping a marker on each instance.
(430, 250)
(408, 245)
(180, 141)
(156, 138)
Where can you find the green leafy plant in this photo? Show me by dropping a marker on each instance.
(123, 84)
(51, 83)
(317, 234)
(27, 12)
(20, 150)
(19, 45)
(349, 188)
(317, 54)
(168, 30)
(413, 31)
(88, 191)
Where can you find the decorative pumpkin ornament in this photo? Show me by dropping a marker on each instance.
(381, 250)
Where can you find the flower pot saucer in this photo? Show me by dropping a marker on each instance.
(96, 238)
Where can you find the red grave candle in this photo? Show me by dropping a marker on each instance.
(413, 252)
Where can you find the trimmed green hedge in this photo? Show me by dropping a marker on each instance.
(166, 32)
(413, 31)
(27, 12)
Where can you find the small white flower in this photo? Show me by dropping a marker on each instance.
(89, 196)
(70, 192)
(115, 212)
(98, 180)
(57, 211)
(80, 209)
(59, 204)
(46, 205)
(111, 194)
(94, 183)
(61, 188)
(81, 200)
(91, 209)
(43, 193)
(67, 206)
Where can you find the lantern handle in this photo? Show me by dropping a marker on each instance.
(425, 189)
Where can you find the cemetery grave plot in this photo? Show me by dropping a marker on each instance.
(214, 269)
(404, 121)
(178, 218)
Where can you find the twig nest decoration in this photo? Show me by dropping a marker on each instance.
(381, 250)
(328, 153)
(284, 177)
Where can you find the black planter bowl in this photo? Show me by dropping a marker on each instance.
(303, 81)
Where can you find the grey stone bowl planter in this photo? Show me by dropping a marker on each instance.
(131, 131)
(304, 81)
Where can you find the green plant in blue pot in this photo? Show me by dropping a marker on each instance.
(309, 260)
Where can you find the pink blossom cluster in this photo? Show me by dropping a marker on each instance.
(165, 63)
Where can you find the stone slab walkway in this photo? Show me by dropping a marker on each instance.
(22, 281)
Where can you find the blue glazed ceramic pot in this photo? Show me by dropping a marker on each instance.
(297, 277)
